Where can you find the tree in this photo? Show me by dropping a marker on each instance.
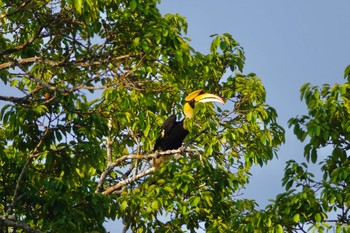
(89, 85)
(316, 202)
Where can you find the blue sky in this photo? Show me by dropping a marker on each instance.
(287, 43)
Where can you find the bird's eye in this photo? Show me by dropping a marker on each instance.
(192, 103)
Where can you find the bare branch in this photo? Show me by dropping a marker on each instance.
(109, 142)
(138, 148)
(156, 154)
(127, 181)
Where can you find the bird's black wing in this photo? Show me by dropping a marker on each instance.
(168, 125)
(165, 131)
(171, 136)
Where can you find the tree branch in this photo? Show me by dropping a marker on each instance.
(20, 47)
(16, 224)
(127, 181)
(80, 63)
(138, 148)
(109, 141)
(32, 155)
(156, 154)
(16, 100)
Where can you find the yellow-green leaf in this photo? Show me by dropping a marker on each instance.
(279, 228)
(155, 205)
(124, 205)
(318, 217)
(195, 201)
(78, 5)
(296, 218)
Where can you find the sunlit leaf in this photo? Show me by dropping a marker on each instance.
(78, 5)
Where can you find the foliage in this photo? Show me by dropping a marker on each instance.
(316, 203)
(88, 85)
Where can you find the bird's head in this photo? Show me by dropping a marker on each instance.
(199, 96)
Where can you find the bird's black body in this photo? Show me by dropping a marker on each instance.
(173, 132)
(172, 135)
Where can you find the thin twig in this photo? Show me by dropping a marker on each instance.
(109, 141)
(32, 155)
(138, 149)
(27, 43)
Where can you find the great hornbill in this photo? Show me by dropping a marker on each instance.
(173, 132)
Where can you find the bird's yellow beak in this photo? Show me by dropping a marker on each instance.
(201, 96)
(207, 97)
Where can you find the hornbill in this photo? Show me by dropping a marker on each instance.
(174, 132)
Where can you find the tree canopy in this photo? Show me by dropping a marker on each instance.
(315, 202)
(86, 86)
(90, 83)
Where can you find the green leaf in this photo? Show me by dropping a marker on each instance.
(133, 5)
(124, 205)
(279, 228)
(318, 217)
(178, 55)
(347, 72)
(146, 130)
(215, 44)
(289, 184)
(208, 199)
(155, 205)
(78, 5)
(209, 149)
(296, 218)
(268, 222)
(249, 116)
(263, 138)
(303, 90)
(14, 82)
(136, 40)
(145, 45)
(317, 130)
(195, 201)
(41, 109)
(313, 155)
(184, 188)
(158, 39)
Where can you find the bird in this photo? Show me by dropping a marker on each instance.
(174, 132)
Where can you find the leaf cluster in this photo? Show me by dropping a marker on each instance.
(318, 203)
